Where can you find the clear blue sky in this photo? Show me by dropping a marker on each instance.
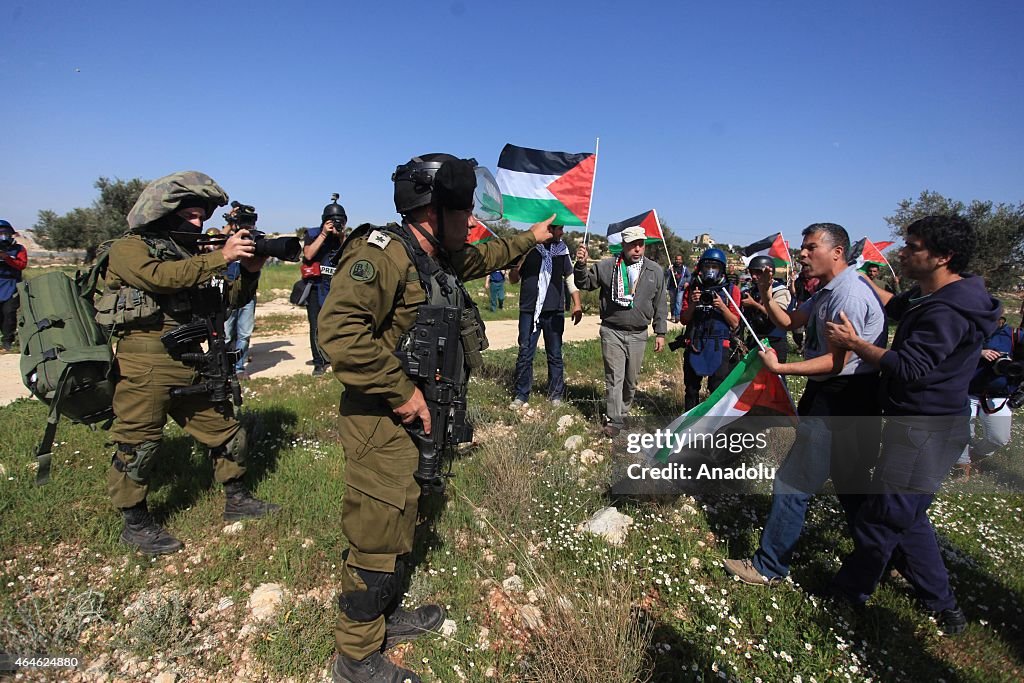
(738, 118)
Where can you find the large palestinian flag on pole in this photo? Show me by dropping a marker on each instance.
(749, 390)
(648, 220)
(864, 251)
(535, 184)
(773, 246)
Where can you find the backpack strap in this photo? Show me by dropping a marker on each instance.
(44, 453)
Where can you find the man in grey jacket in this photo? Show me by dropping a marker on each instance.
(632, 296)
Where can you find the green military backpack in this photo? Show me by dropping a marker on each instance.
(66, 358)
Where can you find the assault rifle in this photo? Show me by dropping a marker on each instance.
(216, 365)
(430, 355)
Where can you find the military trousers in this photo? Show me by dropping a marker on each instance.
(378, 513)
(142, 403)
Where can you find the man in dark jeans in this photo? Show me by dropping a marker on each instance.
(320, 246)
(543, 272)
(13, 259)
(925, 379)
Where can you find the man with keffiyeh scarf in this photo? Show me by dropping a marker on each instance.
(543, 271)
(632, 297)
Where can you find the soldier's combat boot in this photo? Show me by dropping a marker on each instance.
(402, 625)
(374, 669)
(240, 504)
(142, 532)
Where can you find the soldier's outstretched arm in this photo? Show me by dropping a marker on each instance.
(364, 291)
(131, 261)
(478, 260)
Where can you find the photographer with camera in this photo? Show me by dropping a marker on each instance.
(995, 392)
(240, 321)
(321, 246)
(710, 306)
(757, 314)
(13, 260)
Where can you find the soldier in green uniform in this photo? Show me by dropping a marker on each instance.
(152, 276)
(384, 276)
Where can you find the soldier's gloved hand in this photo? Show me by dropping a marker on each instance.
(238, 246)
(414, 409)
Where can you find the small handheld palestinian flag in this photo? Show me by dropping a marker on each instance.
(749, 391)
(535, 184)
(479, 233)
(864, 251)
(773, 246)
(648, 220)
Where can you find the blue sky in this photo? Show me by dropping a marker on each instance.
(738, 118)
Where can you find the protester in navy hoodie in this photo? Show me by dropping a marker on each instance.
(925, 376)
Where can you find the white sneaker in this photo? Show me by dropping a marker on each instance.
(516, 404)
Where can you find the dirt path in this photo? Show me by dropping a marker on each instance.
(277, 355)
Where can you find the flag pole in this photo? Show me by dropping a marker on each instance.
(661, 231)
(593, 181)
(739, 309)
(894, 276)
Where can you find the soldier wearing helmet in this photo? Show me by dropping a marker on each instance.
(386, 279)
(321, 245)
(710, 313)
(13, 259)
(757, 314)
(152, 277)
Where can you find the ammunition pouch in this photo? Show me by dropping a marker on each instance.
(474, 336)
(127, 308)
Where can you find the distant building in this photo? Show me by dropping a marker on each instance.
(704, 240)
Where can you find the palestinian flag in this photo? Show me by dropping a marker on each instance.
(535, 184)
(864, 251)
(648, 220)
(749, 390)
(773, 246)
(479, 233)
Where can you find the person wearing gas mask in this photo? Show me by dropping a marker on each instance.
(710, 306)
(632, 299)
(13, 259)
(156, 281)
(995, 391)
(320, 248)
(396, 302)
(757, 314)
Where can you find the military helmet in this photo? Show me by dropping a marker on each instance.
(761, 262)
(414, 181)
(183, 189)
(708, 274)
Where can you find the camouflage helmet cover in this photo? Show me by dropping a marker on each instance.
(166, 195)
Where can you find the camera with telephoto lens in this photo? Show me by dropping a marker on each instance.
(283, 248)
(1004, 366)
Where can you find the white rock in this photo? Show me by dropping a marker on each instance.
(232, 529)
(448, 628)
(265, 599)
(531, 616)
(513, 584)
(166, 677)
(573, 443)
(225, 603)
(589, 457)
(564, 423)
(610, 524)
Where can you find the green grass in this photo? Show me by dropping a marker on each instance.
(517, 497)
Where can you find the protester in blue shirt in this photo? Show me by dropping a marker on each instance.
(13, 259)
(496, 285)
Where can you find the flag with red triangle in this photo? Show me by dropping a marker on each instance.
(865, 251)
(479, 232)
(773, 245)
(535, 184)
(648, 220)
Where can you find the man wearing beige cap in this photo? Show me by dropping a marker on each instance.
(632, 296)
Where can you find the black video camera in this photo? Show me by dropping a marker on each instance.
(1012, 370)
(241, 214)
